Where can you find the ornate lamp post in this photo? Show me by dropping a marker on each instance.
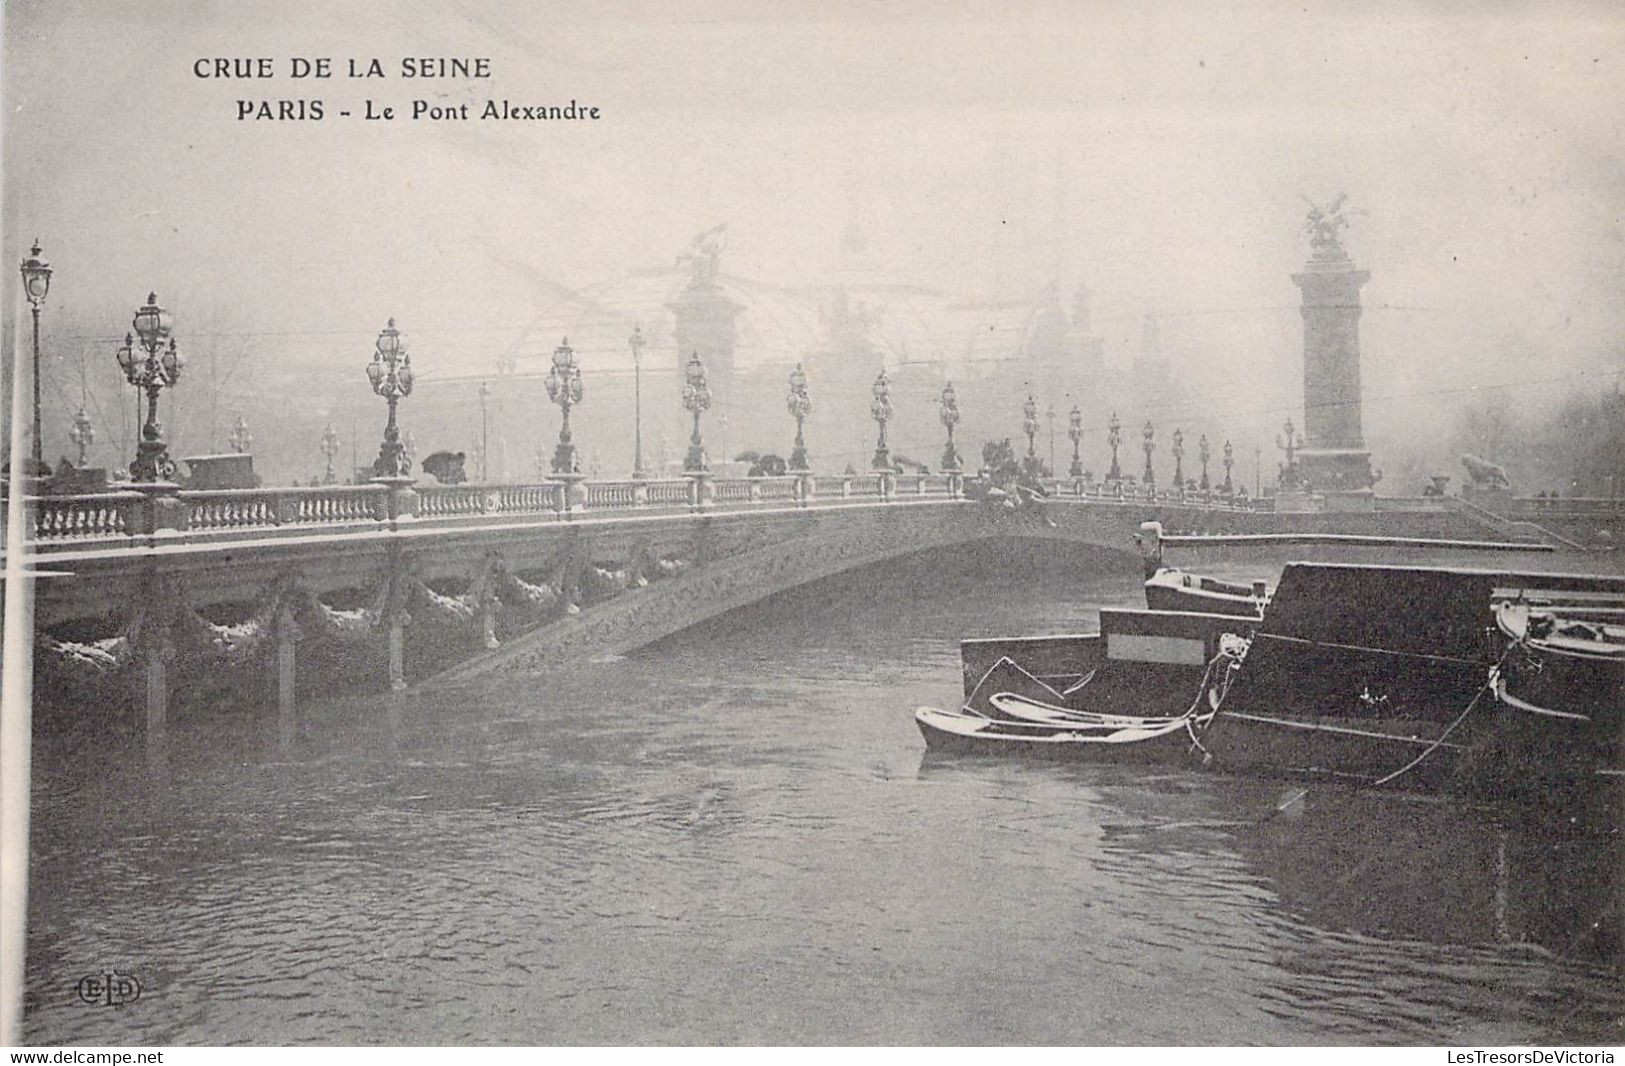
(1203, 453)
(564, 389)
(636, 342)
(1292, 442)
(800, 406)
(330, 448)
(151, 369)
(82, 434)
(240, 440)
(1178, 452)
(485, 431)
(390, 373)
(1049, 415)
(1029, 425)
(1229, 461)
(1149, 443)
(696, 399)
(950, 418)
(36, 283)
(1074, 430)
(1114, 437)
(881, 410)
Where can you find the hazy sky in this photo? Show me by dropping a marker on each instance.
(1485, 150)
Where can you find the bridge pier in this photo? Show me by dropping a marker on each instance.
(488, 623)
(397, 652)
(286, 660)
(157, 655)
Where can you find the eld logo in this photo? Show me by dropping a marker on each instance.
(109, 989)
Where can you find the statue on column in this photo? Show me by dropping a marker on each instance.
(1322, 225)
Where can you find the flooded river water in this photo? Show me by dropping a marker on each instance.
(736, 836)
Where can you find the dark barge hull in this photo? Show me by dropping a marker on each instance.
(1352, 674)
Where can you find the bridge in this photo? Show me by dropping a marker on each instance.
(282, 591)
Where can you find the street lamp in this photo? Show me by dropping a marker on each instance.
(330, 448)
(390, 373)
(1114, 437)
(881, 410)
(1150, 444)
(82, 434)
(696, 398)
(636, 342)
(152, 369)
(800, 406)
(1229, 461)
(564, 389)
(1074, 429)
(1290, 445)
(1202, 453)
(241, 440)
(485, 432)
(36, 283)
(1178, 452)
(950, 418)
(1049, 414)
(1029, 424)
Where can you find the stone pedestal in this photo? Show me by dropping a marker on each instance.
(700, 490)
(162, 508)
(402, 499)
(573, 495)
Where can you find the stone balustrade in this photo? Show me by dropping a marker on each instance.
(130, 513)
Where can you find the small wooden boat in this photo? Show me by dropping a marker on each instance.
(1561, 667)
(1170, 589)
(951, 731)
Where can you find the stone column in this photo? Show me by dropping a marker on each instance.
(1334, 459)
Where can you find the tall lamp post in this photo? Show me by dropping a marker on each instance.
(1049, 415)
(36, 283)
(564, 389)
(1292, 442)
(1029, 425)
(151, 369)
(950, 418)
(800, 406)
(83, 434)
(240, 440)
(1229, 487)
(880, 408)
(1203, 453)
(1178, 452)
(1114, 437)
(696, 398)
(636, 343)
(390, 373)
(485, 432)
(330, 448)
(1149, 443)
(1074, 430)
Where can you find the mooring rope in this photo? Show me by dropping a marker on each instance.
(1489, 686)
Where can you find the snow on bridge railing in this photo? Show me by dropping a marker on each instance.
(129, 512)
